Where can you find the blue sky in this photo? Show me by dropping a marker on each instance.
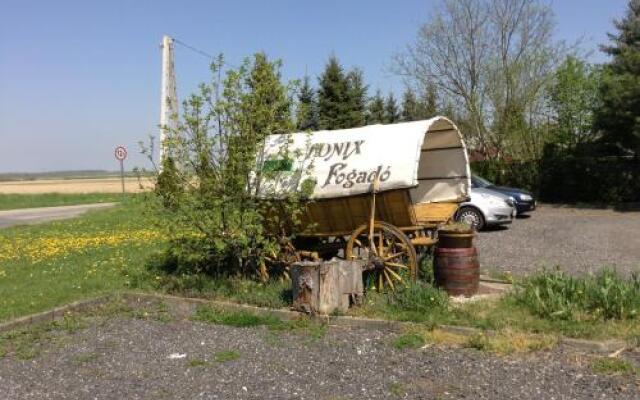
(78, 78)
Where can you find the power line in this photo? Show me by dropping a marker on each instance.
(202, 52)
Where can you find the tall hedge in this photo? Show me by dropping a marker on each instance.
(569, 179)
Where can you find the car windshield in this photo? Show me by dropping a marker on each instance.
(477, 181)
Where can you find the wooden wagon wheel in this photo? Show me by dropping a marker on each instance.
(390, 259)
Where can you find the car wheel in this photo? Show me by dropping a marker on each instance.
(471, 216)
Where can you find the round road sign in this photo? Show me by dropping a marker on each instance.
(121, 153)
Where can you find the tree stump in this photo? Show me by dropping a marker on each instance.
(325, 287)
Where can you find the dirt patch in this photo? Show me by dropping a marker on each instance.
(99, 185)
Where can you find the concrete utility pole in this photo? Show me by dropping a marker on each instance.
(169, 100)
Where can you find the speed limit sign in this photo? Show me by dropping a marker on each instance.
(121, 153)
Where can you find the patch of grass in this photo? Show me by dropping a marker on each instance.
(157, 311)
(509, 314)
(26, 343)
(197, 363)
(499, 274)
(614, 366)
(272, 294)
(439, 336)
(244, 319)
(417, 302)
(48, 265)
(606, 295)
(224, 356)
(479, 341)
(85, 358)
(15, 201)
(307, 327)
(240, 319)
(408, 341)
(396, 389)
(509, 342)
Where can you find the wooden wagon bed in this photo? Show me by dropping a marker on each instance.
(341, 216)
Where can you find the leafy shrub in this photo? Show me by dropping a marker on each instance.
(216, 199)
(606, 295)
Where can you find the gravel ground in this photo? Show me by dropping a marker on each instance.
(577, 240)
(130, 359)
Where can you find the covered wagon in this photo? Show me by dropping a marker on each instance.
(379, 192)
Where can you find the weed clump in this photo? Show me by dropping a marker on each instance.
(557, 296)
(418, 299)
(408, 341)
(614, 366)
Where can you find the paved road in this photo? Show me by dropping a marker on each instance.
(579, 240)
(30, 216)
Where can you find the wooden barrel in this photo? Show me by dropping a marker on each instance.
(454, 239)
(457, 270)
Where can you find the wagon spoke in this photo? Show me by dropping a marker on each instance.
(386, 275)
(394, 274)
(394, 255)
(385, 255)
(392, 264)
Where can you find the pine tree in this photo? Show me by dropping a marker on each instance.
(333, 104)
(357, 98)
(618, 116)
(375, 112)
(307, 110)
(391, 112)
(430, 102)
(409, 105)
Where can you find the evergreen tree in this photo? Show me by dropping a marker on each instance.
(307, 111)
(268, 105)
(618, 115)
(409, 105)
(357, 98)
(429, 107)
(333, 102)
(375, 113)
(391, 112)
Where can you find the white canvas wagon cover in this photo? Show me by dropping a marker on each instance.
(428, 157)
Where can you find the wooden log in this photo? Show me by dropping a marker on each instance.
(325, 287)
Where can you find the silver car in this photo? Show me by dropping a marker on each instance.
(486, 208)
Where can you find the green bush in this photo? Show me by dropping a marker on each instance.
(217, 200)
(606, 295)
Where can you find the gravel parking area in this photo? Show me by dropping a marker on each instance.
(577, 240)
(126, 358)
